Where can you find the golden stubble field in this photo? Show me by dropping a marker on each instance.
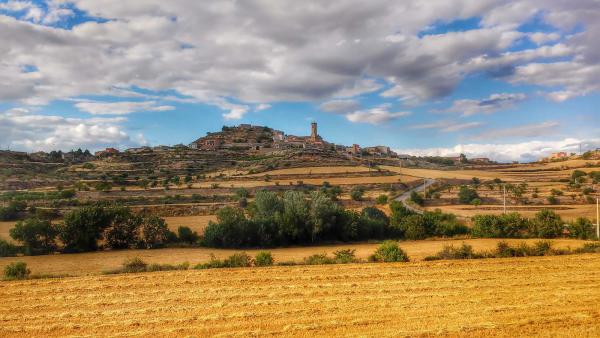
(542, 296)
(91, 263)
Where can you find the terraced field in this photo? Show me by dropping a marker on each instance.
(544, 296)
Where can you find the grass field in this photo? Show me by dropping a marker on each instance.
(567, 212)
(97, 262)
(541, 296)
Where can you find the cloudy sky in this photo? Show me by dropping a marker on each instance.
(512, 80)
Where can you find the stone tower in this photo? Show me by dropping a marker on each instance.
(313, 131)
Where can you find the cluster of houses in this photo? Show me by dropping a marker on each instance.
(266, 139)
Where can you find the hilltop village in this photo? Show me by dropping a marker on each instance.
(264, 140)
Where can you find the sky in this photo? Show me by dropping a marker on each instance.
(508, 80)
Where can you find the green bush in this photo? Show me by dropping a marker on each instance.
(357, 193)
(589, 248)
(389, 251)
(263, 258)
(237, 260)
(134, 264)
(167, 267)
(381, 199)
(465, 251)
(416, 198)
(16, 270)
(8, 249)
(318, 259)
(345, 256)
(582, 228)
(547, 224)
(466, 195)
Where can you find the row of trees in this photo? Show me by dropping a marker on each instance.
(545, 224)
(84, 228)
(273, 220)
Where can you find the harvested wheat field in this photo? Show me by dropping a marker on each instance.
(91, 263)
(543, 296)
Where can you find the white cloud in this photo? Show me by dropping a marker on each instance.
(235, 113)
(377, 115)
(541, 129)
(120, 108)
(506, 152)
(493, 103)
(262, 106)
(448, 126)
(339, 106)
(23, 130)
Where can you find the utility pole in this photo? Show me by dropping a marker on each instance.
(504, 186)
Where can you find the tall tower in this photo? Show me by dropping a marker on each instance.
(313, 131)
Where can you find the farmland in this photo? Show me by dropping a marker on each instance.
(542, 296)
(98, 262)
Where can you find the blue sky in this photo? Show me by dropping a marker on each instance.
(511, 80)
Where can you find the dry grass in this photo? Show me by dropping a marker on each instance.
(97, 262)
(541, 296)
(567, 212)
(317, 170)
(196, 223)
(4, 230)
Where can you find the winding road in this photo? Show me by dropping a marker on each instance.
(419, 188)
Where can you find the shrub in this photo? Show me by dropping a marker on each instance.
(186, 235)
(345, 256)
(547, 224)
(318, 259)
(357, 193)
(465, 251)
(416, 198)
(236, 260)
(381, 199)
(552, 200)
(134, 264)
(466, 195)
(16, 270)
(589, 248)
(389, 251)
(263, 258)
(582, 228)
(8, 249)
(167, 267)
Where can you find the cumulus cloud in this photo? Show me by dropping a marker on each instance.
(493, 103)
(377, 115)
(506, 152)
(119, 108)
(253, 52)
(21, 129)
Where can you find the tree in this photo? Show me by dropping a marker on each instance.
(389, 251)
(83, 228)
(295, 225)
(547, 224)
(466, 194)
(154, 232)
(186, 235)
(414, 227)
(323, 212)
(229, 230)
(38, 236)
(124, 230)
